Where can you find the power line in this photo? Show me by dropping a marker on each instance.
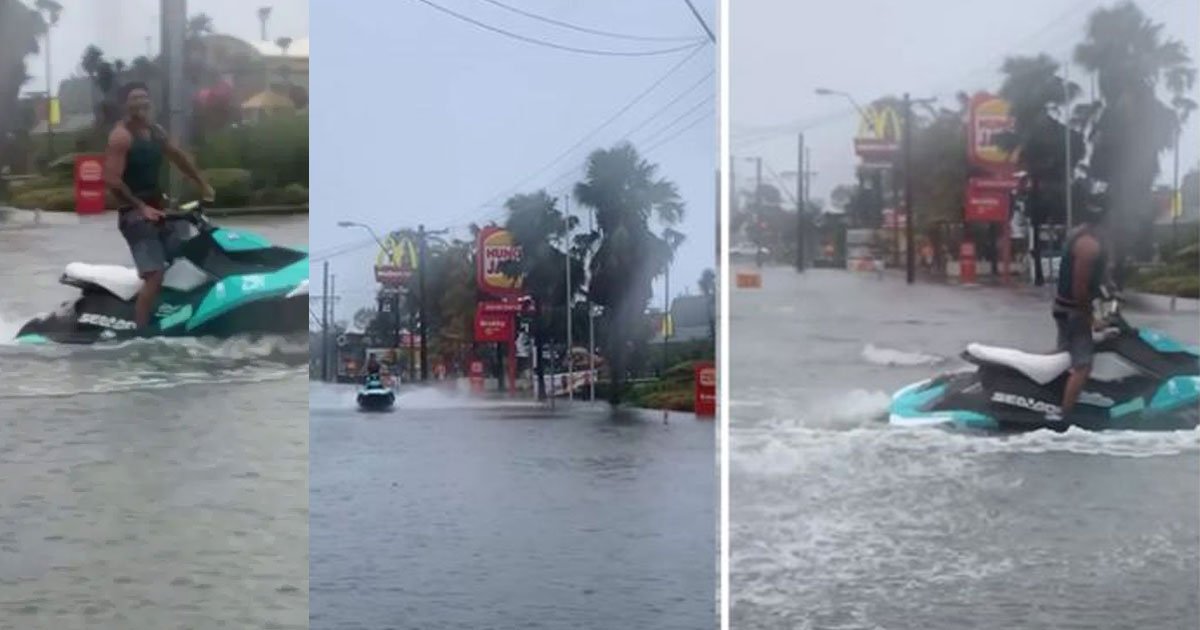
(654, 136)
(584, 29)
(561, 156)
(542, 42)
(677, 133)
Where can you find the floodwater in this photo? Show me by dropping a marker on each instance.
(841, 522)
(153, 483)
(459, 513)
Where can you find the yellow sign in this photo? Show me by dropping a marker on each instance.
(397, 262)
(667, 328)
(55, 113)
(1177, 204)
(495, 248)
(880, 123)
(990, 119)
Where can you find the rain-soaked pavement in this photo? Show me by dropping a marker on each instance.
(839, 522)
(150, 484)
(458, 513)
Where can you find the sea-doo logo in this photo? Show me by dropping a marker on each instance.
(165, 310)
(1031, 404)
(104, 321)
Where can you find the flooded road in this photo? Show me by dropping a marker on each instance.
(149, 484)
(840, 522)
(456, 513)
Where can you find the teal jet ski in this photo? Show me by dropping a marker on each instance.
(374, 396)
(1141, 380)
(221, 283)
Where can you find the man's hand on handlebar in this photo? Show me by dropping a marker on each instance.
(152, 214)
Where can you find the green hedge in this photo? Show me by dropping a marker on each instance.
(232, 185)
(274, 151)
(53, 199)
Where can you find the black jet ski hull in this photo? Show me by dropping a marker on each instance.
(376, 401)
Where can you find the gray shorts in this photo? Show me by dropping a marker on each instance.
(153, 246)
(1075, 336)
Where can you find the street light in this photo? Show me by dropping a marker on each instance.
(347, 224)
(848, 97)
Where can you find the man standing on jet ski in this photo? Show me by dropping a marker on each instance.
(372, 367)
(132, 161)
(1081, 274)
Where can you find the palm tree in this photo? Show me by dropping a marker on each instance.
(1132, 58)
(198, 26)
(626, 193)
(538, 227)
(20, 28)
(1034, 91)
(264, 14)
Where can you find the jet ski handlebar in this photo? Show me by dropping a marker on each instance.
(192, 212)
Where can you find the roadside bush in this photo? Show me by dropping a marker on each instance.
(232, 186)
(52, 199)
(274, 151)
(290, 195)
(1185, 286)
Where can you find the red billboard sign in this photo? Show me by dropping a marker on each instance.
(706, 389)
(494, 248)
(89, 184)
(493, 327)
(505, 306)
(988, 199)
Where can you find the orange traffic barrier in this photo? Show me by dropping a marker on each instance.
(749, 280)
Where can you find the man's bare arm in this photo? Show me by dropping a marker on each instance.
(114, 165)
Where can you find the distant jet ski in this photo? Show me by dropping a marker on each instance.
(1141, 380)
(223, 283)
(374, 396)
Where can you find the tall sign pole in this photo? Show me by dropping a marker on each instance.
(567, 258)
(423, 323)
(909, 250)
(800, 205)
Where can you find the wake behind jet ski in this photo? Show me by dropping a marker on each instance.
(223, 282)
(1141, 380)
(374, 396)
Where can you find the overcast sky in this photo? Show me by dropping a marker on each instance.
(420, 117)
(120, 29)
(781, 50)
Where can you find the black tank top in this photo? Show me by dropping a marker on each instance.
(1065, 295)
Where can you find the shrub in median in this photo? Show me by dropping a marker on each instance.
(52, 199)
(232, 186)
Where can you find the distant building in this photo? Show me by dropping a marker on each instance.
(692, 318)
(262, 75)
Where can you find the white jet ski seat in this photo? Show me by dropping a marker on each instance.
(1040, 368)
(122, 282)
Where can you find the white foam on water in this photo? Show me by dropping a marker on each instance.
(879, 355)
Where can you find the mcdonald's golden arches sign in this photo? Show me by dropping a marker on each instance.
(396, 264)
(878, 138)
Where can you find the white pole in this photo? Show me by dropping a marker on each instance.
(591, 322)
(1067, 136)
(567, 258)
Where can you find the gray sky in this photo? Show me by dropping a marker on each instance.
(120, 28)
(781, 50)
(422, 118)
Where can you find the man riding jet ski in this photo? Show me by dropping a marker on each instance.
(221, 283)
(373, 395)
(1105, 375)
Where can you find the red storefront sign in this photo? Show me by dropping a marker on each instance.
(89, 184)
(706, 389)
(988, 199)
(987, 120)
(506, 306)
(494, 248)
(493, 327)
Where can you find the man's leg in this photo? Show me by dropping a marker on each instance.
(1078, 329)
(149, 256)
(143, 308)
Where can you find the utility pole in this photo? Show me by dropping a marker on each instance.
(909, 250)
(1067, 139)
(325, 323)
(421, 287)
(332, 348)
(666, 329)
(758, 257)
(801, 191)
(591, 321)
(567, 265)
(174, 24)
(712, 38)
(49, 93)
(1176, 197)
